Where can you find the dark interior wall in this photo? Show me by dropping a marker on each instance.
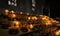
(55, 8)
(46, 8)
(39, 6)
(52, 8)
(3, 3)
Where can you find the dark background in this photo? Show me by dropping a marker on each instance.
(54, 6)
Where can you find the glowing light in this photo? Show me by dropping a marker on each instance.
(13, 15)
(6, 12)
(29, 18)
(16, 23)
(48, 23)
(9, 3)
(12, 11)
(34, 18)
(31, 26)
(57, 32)
(43, 18)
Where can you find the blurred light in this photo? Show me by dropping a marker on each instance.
(33, 5)
(15, 4)
(48, 23)
(9, 3)
(58, 33)
(40, 15)
(6, 12)
(29, 18)
(12, 2)
(33, 9)
(21, 12)
(27, 13)
(31, 26)
(44, 18)
(29, 30)
(12, 11)
(13, 15)
(34, 18)
(33, 1)
(16, 23)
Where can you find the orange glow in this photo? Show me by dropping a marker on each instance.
(16, 23)
(12, 11)
(6, 12)
(29, 30)
(13, 15)
(57, 32)
(43, 18)
(48, 23)
(46, 20)
(29, 18)
(31, 26)
(34, 18)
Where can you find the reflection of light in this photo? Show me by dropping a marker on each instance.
(58, 32)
